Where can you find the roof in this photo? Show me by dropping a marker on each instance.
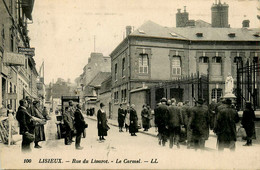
(151, 29)
(99, 78)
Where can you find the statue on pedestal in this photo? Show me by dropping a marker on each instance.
(229, 86)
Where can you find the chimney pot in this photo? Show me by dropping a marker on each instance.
(128, 30)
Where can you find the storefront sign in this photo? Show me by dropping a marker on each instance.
(14, 59)
(9, 96)
(27, 51)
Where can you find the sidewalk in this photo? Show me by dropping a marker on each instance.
(211, 143)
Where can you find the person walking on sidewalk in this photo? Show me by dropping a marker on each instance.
(71, 111)
(145, 118)
(80, 125)
(200, 124)
(225, 128)
(26, 126)
(248, 123)
(133, 128)
(121, 118)
(102, 122)
(127, 117)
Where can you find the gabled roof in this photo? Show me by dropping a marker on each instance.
(99, 78)
(151, 29)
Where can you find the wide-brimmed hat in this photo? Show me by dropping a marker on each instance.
(200, 101)
(102, 104)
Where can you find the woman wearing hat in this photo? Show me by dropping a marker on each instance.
(248, 123)
(102, 122)
(133, 128)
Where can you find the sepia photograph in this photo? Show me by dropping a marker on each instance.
(129, 84)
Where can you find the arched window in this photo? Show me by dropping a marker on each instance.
(143, 63)
(204, 59)
(176, 65)
(217, 59)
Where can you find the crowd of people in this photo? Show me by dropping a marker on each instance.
(191, 124)
(175, 122)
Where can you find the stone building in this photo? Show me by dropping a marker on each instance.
(154, 54)
(18, 75)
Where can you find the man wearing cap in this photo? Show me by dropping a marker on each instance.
(226, 126)
(161, 121)
(199, 124)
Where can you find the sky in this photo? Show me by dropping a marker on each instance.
(63, 31)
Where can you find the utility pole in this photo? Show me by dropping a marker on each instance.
(94, 43)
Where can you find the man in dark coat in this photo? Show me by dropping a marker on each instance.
(68, 125)
(121, 118)
(161, 121)
(133, 128)
(71, 111)
(80, 125)
(39, 128)
(226, 126)
(26, 124)
(199, 124)
(145, 118)
(248, 123)
(102, 122)
(212, 113)
(186, 115)
(174, 123)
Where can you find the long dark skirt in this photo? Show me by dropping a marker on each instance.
(39, 133)
(146, 122)
(102, 131)
(133, 128)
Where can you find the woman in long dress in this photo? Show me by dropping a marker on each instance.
(102, 122)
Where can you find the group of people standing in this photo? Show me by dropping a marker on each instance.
(32, 119)
(128, 118)
(194, 122)
(74, 124)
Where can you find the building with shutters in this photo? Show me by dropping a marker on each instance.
(153, 55)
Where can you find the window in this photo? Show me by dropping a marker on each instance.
(238, 60)
(116, 97)
(12, 43)
(203, 59)
(11, 88)
(176, 65)
(123, 95)
(217, 59)
(143, 63)
(216, 94)
(199, 34)
(123, 67)
(116, 71)
(26, 63)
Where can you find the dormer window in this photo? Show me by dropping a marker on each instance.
(203, 59)
(141, 31)
(173, 34)
(257, 34)
(232, 35)
(216, 59)
(199, 34)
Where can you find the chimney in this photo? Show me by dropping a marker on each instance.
(179, 10)
(128, 30)
(184, 8)
(245, 23)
